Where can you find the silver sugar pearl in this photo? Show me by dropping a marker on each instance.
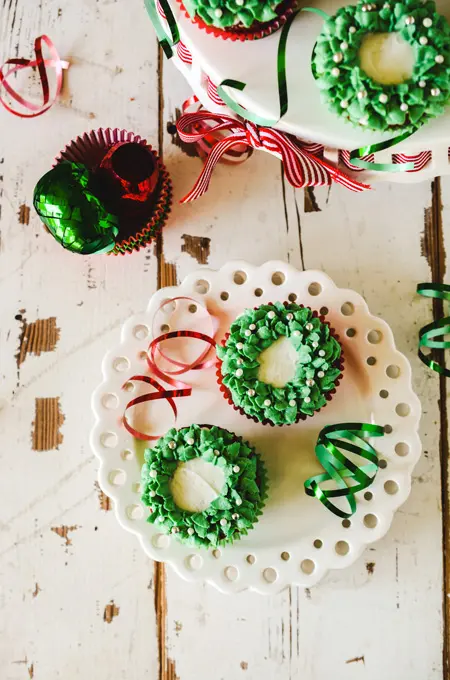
(238, 501)
(191, 531)
(364, 120)
(404, 107)
(171, 445)
(338, 57)
(190, 442)
(310, 382)
(239, 345)
(335, 72)
(320, 374)
(240, 362)
(236, 468)
(239, 373)
(344, 104)
(352, 29)
(251, 393)
(362, 94)
(240, 2)
(174, 530)
(152, 494)
(427, 22)
(292, 402)
(344, 46)
(423, 40)
(218, 13)
(271, 315)
(153, 474)
(247, 333)
(234, 515)
(252, 327)
(289, 316)
(296, 333)
(309, 327)
(439, 59)
(307, 400)
(321, 353)
(435, 92)
(409, 21)
(216, 452)
(422, 83)
(383, 98)
(223, 522)
(315, 345)
(267, 402)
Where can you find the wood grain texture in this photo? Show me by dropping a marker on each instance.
(48, 419)
(385, 615)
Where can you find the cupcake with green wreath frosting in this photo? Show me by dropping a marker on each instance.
(204, 485)
(279, 363)
(239, 19)
(385, 66)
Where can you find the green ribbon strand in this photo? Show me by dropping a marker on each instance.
(348, 477)
(167, 42)
(281, 77)
(357, 154)
(436, 329)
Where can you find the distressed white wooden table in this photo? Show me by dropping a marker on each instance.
(78, 597)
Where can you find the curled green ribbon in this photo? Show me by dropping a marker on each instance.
(357, 154)
(436, 329)
(167, 42)
(281, 76)
(348, 477)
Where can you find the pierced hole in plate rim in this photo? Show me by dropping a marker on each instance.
(108, 440)
(142, 356)
(368, 495)
(307, 566)
(231, 573)
(374, 337)
(127, 454)
(314, 288)
(393, 371)
(128, 386)
(382, 463)
(324, 311)
(165, 328)
(350, 332)
(201, 286)
(402, 449)
(224, 295)
(168, 306)
(160, 541)
(292, 297)
(121, 364)
(384, 394)
(278, 278)
(141, 331)
(117, 477)
(251, 559)
(370, 521)
(258, 292)
(285, 556)
(371, 361)
(346, 523)
(216, 553)
(403, 410)
(342, 548)
(347, 309)
(388, 429)
(194, 562)
(318, 544)
(136, 487)
(135, 512)
(239, 278)
(270, 575)
(192, 308)
(391, 487)
(110, 400)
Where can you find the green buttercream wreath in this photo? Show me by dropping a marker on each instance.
(238, 506)
(317, 370)
(351, 93)
(226, 13)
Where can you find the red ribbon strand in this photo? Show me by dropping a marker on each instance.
(42, 64)
(301, 167)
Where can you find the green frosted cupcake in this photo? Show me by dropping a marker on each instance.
(279, 363)
(203, 484)
(239, 19)
(385, 66)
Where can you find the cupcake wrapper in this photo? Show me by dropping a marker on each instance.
(90, 148)
(301, 416)
(257, 32)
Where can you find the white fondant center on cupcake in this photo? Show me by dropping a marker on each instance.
(196, 484)
(277, 363)
(387, 58)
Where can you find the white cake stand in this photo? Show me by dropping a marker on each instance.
(297, 540)
(206, 61)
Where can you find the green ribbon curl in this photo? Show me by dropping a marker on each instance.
(167, 42)
(436, 329)
(348, 477)
(357, 154)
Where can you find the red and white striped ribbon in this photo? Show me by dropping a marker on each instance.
(344, 157)
(183, 53)
(213, 93)
(301, 167)
(420, 160)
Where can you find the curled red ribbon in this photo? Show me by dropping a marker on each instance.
(182, 389)
(18, 64)
(301, 167)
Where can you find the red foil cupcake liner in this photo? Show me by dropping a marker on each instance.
(301, 416)
(89, 149)
(258, 30)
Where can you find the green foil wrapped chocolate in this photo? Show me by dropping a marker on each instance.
(66, 200)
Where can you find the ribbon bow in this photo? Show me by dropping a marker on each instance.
(301, 167)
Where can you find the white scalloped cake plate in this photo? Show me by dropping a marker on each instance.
(255, 63)
(297, 540)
